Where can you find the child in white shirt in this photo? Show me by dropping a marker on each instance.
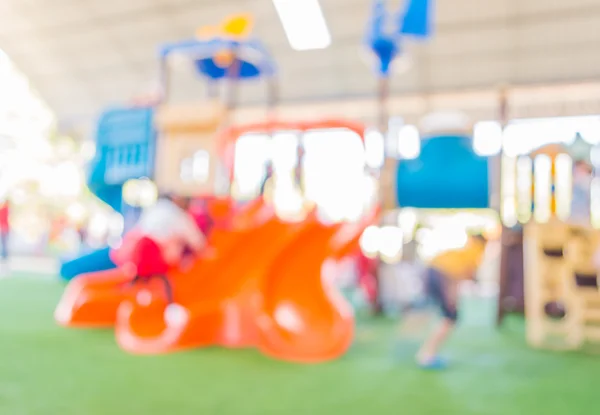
(170, 225)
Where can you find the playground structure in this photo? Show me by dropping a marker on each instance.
(441, 194)
(536, 178)
(448, 178)
(562, 297)
(528, 193)
(260, 284)
(187, 130)
(173, 144)
(386, 35)
(554, 279)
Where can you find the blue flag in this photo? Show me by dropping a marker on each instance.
(416, 18)
(384, 46)
(376, 25)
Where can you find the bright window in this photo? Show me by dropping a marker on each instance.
(409, 142)
(284, 151)
(334, 173)
(375, 149)
(523, 136)
(487, 138)
(542, 194)
(251, 155)
(196, 168)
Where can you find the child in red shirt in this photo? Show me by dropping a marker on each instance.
(165, 233)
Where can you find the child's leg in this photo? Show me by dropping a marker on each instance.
(187, 259)
(444, 292)
(4, 238)
(168, 289)
(430, 349)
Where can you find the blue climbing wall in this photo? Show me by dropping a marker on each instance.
(125, 147)
(447, 174)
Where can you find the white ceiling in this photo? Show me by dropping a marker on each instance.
(82, 55)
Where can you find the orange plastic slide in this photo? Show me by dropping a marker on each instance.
(303, 317)
(262, 284)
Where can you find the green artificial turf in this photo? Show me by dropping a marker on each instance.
(46, 370)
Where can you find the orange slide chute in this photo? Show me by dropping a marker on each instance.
(260, 284)
(304, 317)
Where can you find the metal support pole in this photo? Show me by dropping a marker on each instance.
(212, 89)
(272, 99)
(272, 96)
(233, 77)
(383, 95)
(164, 79)
(505, 237)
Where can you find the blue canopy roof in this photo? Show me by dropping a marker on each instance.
(446, 175)
(255, 60)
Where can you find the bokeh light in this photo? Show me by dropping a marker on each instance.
(140, 192)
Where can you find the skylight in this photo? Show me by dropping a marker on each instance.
(304, 24)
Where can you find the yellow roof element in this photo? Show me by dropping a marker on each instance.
(237, 27)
